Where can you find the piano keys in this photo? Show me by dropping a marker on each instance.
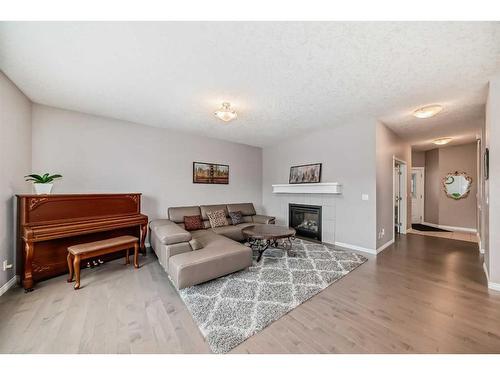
(48, 224)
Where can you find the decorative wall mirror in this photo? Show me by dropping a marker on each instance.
(457, 185)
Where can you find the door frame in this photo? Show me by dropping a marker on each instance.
(422, 183)
(404, 195)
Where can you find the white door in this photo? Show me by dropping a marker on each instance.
(400, 196)
(417, 195)
(397, 198)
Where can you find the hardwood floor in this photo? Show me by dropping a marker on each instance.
(421, 295)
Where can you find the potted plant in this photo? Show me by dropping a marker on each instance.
(43, 184)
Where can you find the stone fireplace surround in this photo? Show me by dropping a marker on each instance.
(324, 194)
(327, 203)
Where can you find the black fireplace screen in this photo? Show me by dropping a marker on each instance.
(306, 220)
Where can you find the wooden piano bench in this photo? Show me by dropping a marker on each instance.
(77, 253)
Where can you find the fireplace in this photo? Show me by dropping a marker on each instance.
(306, 220)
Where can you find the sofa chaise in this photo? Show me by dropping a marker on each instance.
(193, 257)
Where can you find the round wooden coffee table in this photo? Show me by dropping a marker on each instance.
(261, 236)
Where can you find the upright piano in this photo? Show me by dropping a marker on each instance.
(48, 224)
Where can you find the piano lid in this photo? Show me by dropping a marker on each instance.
(55, 208)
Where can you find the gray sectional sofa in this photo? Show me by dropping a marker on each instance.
(201, 255)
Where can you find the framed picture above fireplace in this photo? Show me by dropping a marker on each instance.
(305, 174)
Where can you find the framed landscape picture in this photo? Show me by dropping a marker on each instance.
(305, 174)
(209, 173)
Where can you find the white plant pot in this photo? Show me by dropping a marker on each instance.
(43, 188)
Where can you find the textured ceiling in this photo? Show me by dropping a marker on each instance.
(283, 78)
(461, 119)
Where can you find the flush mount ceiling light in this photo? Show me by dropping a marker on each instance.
(441, 141)
(428, 111)
(225, 113)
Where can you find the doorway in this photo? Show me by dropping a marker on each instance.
(399, 196)
(417, 187)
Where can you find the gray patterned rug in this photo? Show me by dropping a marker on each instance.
(230, 309)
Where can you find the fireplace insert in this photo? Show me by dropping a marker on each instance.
(306, 220)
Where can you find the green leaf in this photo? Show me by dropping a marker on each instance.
(34, 176)
(45, 179)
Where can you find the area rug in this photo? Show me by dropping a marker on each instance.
(427, 228)
(230, 309)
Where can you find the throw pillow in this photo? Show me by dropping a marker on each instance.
(217, 218)
(236, 217)
(195, 244)
(193, 222)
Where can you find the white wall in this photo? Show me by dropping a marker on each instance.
(388, 146)
(483, 207)
(15, 162)
(97, 154)
(348, 156)
(492, 185)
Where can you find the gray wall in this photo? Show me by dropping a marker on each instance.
(347, 153)
(15, 162)
(418, 159)
(458, 213)
(388, 146)
(432, 187)
(97, 154)
(439, 209)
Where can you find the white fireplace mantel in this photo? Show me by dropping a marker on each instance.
(317, 188)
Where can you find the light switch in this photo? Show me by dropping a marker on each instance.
(364, 197)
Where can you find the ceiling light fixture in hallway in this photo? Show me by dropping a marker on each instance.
(428, 111)
(442, 141)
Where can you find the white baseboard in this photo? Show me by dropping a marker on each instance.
(9, 284)
(448, 227)
(479, 244)
(355, 247)
(491, 285)
(384, 246)
(486, 272)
